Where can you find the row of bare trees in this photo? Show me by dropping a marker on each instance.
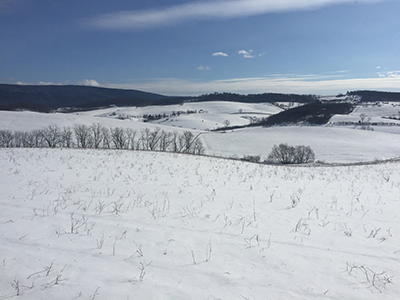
(98, 136)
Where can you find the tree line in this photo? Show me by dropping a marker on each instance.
(101, 137)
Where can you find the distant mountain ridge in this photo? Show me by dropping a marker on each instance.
(56, 96)
(45, 98)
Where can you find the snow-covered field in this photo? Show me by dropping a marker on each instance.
(376, 112)
(332, 143)
(109, 224)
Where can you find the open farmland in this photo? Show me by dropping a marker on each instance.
(332, 143)
(101, 224)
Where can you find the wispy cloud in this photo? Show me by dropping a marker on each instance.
(246, 54)
(225, 9)
(38, 83)
(89, 82)
(299, 84)
(204, 68)
(389, 74)
(220, 54)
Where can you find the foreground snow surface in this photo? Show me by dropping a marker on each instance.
(86, 224)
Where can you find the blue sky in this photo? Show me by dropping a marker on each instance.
(184, 47)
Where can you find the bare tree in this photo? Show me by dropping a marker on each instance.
(165, 140)
(364, 118)
(29, 140)
(188, 139)
(145, 138)
(97, 134)
(51, 136)
(175, 142)
(18, 139)
(198, 147)
(154, 137)
(6, 138)
(286, 154)
(37, 138)
(118, 137)
(66, 139)
(130, 135)
(106, 138)
(83, 136)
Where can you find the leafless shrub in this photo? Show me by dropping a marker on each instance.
(295, 199)
(285, 154)
(142, 269)
(302, 226)
(95, 294)
(46, 271)
(77, 223)
(16, 286)
(116, 207)
(56, 281)
(100, 242)
(249, 241)
(376, 280)
(208, 251)
(139, 250)
(114, 246)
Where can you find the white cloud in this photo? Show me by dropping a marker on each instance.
(204, 68)
(393, 74)
(48, 83)
(220, 54)
(89, 82)
(225, 9)
(23, 83)
(246, 54)
(300, 84)
(389, 74)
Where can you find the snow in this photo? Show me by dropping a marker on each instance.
(333, 144)
(374, 112)
(211, 107)
(109, 224)
(330, 144)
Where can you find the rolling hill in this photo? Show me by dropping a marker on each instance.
(57, 96)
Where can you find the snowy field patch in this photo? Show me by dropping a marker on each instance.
(108, 224)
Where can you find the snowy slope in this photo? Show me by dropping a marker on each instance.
(86, 224)
(373, 112)
(330, 144)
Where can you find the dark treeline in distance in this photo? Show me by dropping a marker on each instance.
(376, 96)
(312, 113)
